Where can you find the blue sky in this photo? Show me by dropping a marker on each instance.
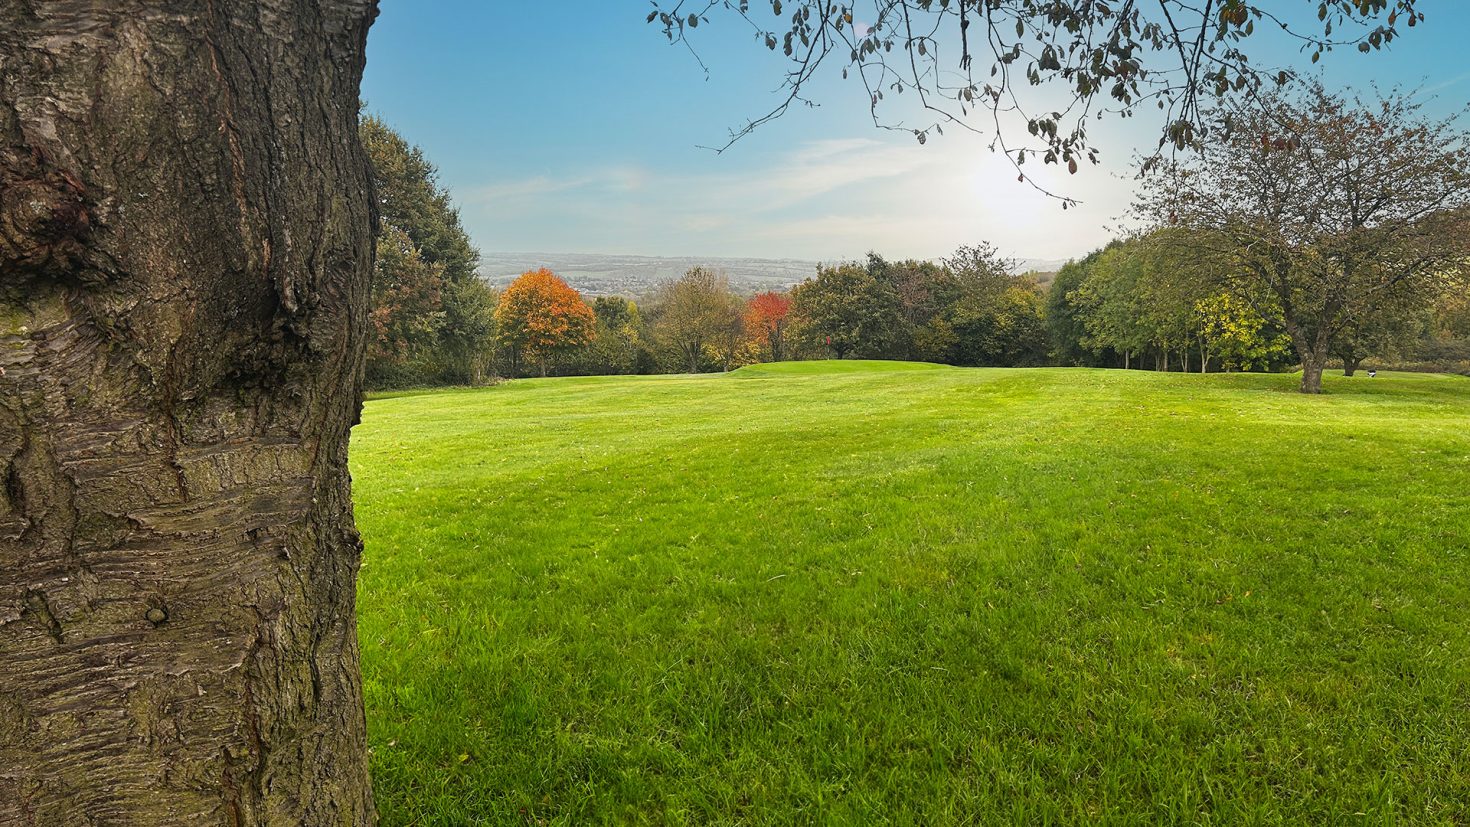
(574, 127)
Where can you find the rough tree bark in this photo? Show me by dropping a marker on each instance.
(185, 243)
(1313, 353)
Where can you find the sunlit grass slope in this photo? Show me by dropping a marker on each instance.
(843, 594)
(829, 367)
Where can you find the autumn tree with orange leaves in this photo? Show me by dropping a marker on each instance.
(765, 320)
(540, 316)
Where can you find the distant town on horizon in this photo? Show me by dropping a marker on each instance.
(611, 274)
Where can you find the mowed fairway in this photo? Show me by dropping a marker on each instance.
(857, 593)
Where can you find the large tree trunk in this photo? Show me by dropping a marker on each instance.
(1314, 360)
(185, 244)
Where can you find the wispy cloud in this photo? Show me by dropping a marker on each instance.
(811, 170)
(1445, 84)
(819, 199)
(621, 178)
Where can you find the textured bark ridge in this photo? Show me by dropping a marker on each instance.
(185, 242)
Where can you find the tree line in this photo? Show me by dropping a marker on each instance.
(1138, 303)
(966, 310)
(1319, 228)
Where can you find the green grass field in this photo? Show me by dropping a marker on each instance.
(867, 593)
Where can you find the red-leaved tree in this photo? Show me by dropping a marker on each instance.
(765, 319)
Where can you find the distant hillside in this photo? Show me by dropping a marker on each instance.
(599, 274)
(1039, 265)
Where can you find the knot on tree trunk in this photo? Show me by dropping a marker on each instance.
(45, 218)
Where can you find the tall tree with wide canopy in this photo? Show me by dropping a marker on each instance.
(186, 238)
(452, 339)
(1335, 208)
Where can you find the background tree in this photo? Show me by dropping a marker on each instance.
(1163, 297)
(618, 345)
(1110, 303)
(1388, 333)
(996, 316)
(468, 345)
(1065, 319)
(411, 201)
(1445, 345)
(1002, 329)
(733, 346)
(410, 198)
(847, 309)
(540, 317)
(406, 313)
(615, 312)
(1234, 334)
(694, 313)
(1452, 311)
(765, 319)
(185, 260)
(925, 291)
(1174, 276)
(1336, 208)
(980, 269)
